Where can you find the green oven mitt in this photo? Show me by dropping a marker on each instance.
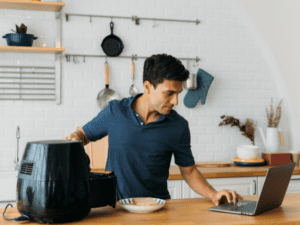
(204, 80)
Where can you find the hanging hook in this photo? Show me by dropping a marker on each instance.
(155, 25)
(68, 58)
(75, 59)
(84, 58)
(195, 64)
(106, 61)
(90, 19)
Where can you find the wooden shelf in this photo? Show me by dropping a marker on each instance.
(38, 50)
(31, 5)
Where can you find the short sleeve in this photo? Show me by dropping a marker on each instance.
(97, 128)
(183, 154)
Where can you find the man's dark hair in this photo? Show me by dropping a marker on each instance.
(162, 66)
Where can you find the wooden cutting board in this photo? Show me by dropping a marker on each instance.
(213, 164)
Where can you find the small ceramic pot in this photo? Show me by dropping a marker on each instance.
(247, 151)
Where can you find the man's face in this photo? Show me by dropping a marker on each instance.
(165, 96)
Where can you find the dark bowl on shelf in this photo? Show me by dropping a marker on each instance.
(16, 39)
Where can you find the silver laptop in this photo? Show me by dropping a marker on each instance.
(273, 192)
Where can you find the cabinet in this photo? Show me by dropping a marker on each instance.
(242, 185)
(40, 6)
(8, 184)
(294, 185)
(175, 188)
(97, 151)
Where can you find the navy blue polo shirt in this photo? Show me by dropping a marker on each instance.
(139, 154)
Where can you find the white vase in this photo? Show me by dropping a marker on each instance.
(271, 141)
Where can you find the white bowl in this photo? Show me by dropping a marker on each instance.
(247, 151)
(141, 209)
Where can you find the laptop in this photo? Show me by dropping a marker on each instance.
(271, 197)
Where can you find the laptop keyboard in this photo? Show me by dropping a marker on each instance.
(240, 206)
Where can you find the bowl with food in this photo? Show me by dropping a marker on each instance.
(142, 205)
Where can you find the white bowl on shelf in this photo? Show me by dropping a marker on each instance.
(247, 151)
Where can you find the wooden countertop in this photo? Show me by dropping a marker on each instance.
(183, 212)
(222, 172)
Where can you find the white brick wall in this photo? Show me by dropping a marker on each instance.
(227, 49)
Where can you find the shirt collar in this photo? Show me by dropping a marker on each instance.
(131, 99)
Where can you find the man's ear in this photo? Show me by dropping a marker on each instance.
(147, 87)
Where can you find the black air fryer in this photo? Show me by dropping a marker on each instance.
(55, 184)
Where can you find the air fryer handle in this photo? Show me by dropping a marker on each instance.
(4, 36)
(34, 38)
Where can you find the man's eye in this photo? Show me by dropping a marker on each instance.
(169, 94)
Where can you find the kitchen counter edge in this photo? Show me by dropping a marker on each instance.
(222, 172)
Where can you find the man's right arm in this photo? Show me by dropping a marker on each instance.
(78, 135)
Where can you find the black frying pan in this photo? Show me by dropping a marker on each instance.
(112, 45)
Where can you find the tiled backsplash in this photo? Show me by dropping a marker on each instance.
(228, 50)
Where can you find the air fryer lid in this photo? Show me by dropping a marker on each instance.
(53, 182)
(55, 160)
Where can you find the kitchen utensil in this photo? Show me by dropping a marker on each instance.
(16, 39)
(17, 166)
(295, 156)
(129, 206)
(276, 159)
(281, 136)
(247, 151)
(249, 162)
(192, 96)
(213, 164)
(133, 90)
(107, 94)
(111, 44)
(55, 184)
(271, 141)
(191, 82)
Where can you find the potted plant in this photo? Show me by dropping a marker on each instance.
(20, 38)
(247, 129)
(271, 141)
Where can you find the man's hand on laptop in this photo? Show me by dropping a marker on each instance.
(226, 196)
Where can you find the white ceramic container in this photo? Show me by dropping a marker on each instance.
(247, 151)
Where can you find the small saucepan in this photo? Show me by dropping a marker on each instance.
(16, 39)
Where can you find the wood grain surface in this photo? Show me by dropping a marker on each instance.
(184, 212)
(213, 164)
(222, 172)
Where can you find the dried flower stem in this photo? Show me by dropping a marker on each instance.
(273, 122)
(247, 129)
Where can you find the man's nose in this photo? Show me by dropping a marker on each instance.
(174, 100)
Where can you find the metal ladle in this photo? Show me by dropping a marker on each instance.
(107, 94)
(133, 90)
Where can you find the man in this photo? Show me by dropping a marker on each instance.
(144, 132)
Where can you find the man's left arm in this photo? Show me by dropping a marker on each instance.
(198, 183)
